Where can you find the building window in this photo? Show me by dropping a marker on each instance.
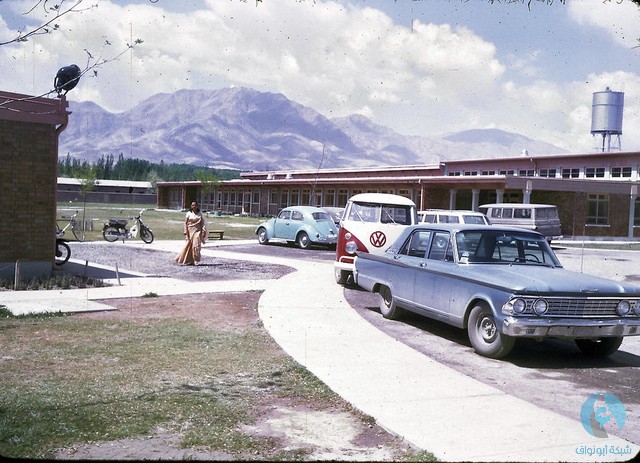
(488, 172)
(506, 172)
(548, 173)
(570, 173)
(598, 210)
(330, 198)
(594, 172)
(470, 173)
(284, 198)
(342, 198)
(404, 193)
(295, 197)
(455, 174)
(621, 172)
(526, 172)
(306, 197)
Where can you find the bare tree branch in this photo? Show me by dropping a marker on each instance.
(58, 10)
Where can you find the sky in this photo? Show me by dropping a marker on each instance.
(419, 67)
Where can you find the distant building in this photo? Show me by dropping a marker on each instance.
(106, 191)
(596, 193)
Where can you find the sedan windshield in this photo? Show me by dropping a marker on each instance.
(503, 247)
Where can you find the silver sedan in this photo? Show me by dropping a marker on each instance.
(499, 284)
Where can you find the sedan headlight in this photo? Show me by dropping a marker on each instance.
(636, 308)
(519, 306)
(540, 306)
(351, 247)
(623, 308)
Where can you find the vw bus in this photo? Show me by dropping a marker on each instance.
(542, 218)
(371, 223)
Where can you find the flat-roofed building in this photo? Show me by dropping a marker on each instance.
(596, 193)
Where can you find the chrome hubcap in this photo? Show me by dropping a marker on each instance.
(488, 329)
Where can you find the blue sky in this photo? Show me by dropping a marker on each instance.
(419, 67)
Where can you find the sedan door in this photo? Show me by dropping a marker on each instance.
(434, 277)
(408, 261)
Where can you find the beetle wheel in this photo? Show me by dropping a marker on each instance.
(303, 240)
(484, 334)
(263, 238)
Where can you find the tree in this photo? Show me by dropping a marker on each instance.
(58, 10)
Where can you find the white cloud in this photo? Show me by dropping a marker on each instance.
(618, 18)
(420, 79)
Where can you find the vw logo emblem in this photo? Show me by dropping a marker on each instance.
(377, 239)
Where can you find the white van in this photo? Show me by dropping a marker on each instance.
(371, 223)
(455, 216)
(542, 218)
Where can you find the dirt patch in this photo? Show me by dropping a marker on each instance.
(162, 264)
(299, 428)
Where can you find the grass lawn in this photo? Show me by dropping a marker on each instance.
(165, 224)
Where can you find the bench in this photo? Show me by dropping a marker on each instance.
(218, 233)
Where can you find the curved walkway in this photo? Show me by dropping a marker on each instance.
(432, 406)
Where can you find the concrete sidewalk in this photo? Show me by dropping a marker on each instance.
(432, 406)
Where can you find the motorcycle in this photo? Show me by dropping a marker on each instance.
(63, 251)
(116, 229)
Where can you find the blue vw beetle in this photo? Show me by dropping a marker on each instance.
(499, 284)
(305, 225)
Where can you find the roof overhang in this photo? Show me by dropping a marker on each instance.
(37, 110)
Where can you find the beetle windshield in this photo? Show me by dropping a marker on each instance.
(504, 247)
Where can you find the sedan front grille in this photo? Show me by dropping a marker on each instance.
(578, 307)
(583, 307)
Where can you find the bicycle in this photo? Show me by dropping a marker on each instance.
(77, 231)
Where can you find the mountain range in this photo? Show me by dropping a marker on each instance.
(245, 129)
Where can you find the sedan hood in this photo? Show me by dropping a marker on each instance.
(534, 279)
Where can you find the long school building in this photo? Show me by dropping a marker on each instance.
(596, 193)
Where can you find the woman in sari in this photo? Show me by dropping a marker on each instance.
(195, 232)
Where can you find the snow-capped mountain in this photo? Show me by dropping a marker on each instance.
(250, 130)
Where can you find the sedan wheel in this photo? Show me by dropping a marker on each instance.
(602, 347)
(484, 334)
(263, 238)
(303, 240)
(388, 307)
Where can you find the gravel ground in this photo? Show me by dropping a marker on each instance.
(161, 263)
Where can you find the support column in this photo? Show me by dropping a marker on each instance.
(632, 208)
(452, 199)
(526, 193)
(475, 199)
(499, 195)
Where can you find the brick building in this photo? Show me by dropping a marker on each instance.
(29, 131)
(596, 193)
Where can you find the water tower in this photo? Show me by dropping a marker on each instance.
(606, 116)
